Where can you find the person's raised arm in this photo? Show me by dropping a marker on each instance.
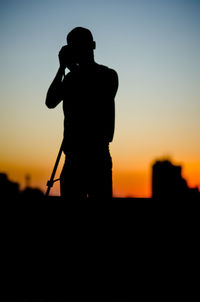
(54, 94)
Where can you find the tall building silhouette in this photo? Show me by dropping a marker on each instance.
(168, 183)
(8, 187)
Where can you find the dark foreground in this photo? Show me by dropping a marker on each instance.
(128, 249)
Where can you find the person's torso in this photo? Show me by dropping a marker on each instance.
(84, 104)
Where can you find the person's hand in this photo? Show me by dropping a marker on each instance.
(66, 58)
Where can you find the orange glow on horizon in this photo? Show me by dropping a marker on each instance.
(191, 173)
(126, 183)
(131, 183)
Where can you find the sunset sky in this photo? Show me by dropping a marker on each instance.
(154, 45)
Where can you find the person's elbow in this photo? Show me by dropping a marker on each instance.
(50, 102)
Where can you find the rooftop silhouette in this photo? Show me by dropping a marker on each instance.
(11, 189)
(8, 187)
(168, 183)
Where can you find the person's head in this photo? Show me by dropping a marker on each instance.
(82, 44)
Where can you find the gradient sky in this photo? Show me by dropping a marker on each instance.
(155, 48)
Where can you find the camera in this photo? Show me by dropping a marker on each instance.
(66, 57)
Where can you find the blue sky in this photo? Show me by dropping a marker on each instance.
(153, 45)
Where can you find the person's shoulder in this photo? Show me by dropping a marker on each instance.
(104, 68)
(107, 70)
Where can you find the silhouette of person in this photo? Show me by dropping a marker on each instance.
(87, 91)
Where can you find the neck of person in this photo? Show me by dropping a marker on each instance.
(87, 62)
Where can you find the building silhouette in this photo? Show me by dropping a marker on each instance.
(10, 189)
(168, 183)
(32, 193)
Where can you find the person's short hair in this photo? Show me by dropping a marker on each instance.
(80, 35)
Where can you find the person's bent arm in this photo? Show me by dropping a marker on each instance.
(54, 93)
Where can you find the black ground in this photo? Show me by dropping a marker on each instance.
(130, 249)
